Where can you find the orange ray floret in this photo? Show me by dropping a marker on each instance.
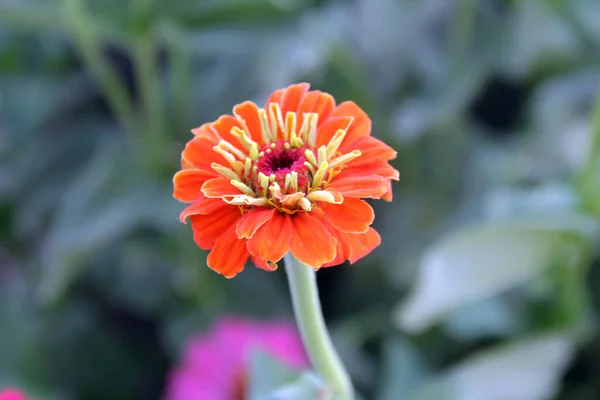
(288, 177)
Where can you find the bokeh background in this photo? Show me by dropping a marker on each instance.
(487, 284)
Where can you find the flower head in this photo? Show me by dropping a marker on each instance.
(12, 394)
(287, 177)
(215, 365)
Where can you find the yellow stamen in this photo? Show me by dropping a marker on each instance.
(243, 200)
(288, 180)
(254, 152)
(272, 178)
(247, 167)
(276, 119)
(345, 158)
(322, 155)
(225, 145)
(294, 181)
(335, 142)
(287, 146)
(237, 166)
(224, 171)
(325, 197)
(264, 126)
(263, 180)
(310, 156)
(305, 204)
(290, 124)
(242, 137)
(310, 167)
(242, 187)
(320, 174)
(296, 141)
(312, 129)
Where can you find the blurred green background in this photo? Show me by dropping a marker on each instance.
(487, 284)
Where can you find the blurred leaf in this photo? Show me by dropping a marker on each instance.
(529, 369)
(267, 374)
(403, 370)
(475, 264)
(306, 386)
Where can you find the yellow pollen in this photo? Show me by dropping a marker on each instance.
(287, 146)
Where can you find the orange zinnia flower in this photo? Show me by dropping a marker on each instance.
(289, 177)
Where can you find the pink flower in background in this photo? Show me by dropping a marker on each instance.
(215, 365)
(12, 394)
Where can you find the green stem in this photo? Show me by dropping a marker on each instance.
(90, 47)
(307, 307)
(587, 181)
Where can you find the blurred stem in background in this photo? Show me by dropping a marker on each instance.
(90, 48)
(588, 182)
(460, 34)
(307, 308)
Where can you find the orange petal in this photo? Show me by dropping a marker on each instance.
(206, 132)
(187, 184)
(361, 125)
(362, 244)
(352, 216)
(207, 227)
(201, 206)
(288, 98)
(252, 221)
(199, 153)
(349, 184)
(248, 112)
(317, 102)
(266, 265)
(229, 254)
(312, 243)
(219, 187)
(272, 240)
(381, 168)
(372, 150)
(223, 128)
(328, 128)
(342, 248)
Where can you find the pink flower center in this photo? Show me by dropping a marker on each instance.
(280, 160)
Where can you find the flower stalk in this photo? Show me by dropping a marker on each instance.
(309, 317)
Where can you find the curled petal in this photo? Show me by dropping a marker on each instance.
(312, 243)
(272, 240)
(245, 200)
(219, 187)
(250, 222)
(201, 206)
(187, 184)
(207, 227)
(266, 265)
(229, 254)
(352, 216)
